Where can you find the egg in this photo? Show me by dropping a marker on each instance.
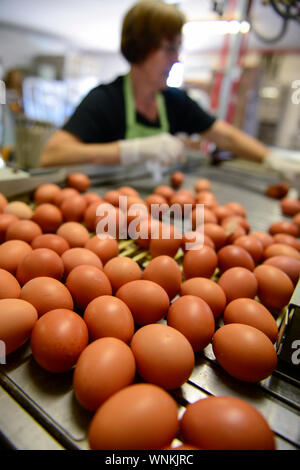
(289, 206)
(78, 256)
(182, 201)
(284, 227)
(166, 242)
(265, 238)
(73, 209)
(57, 340)
(109, 220)
(237, 208)
(106, 248)
(112, 197)
(207, 198)
(106, 366)
(202, 184)
(147, 301)
(11, 254)
(25, 230)
(63, 194)
(156, 199)
(163, 355)
(277, 191)
(287, 240)
(140, 416)
(90, 198)
(9, 286)
(226, 423)
(245, 352)
(79, 181)
(216, 233)
(85, 283)
(193, 239)
(121, 270)
(165, 191)
(48, 217)
(253, 313)
(201, 215)
(45, 294)
(193, 317)
(5, 221)
(109, 316)
(3, 202)
(233, 255)
(281, 249)
(40, 262)
(46, 193)
(17, 319)
(165, 271)
(274, 286)
(238, 282)
(207, 290)
(52, 241)
(176, 179)
(128, 191)
(222, 212)
(200, 263)
(252, 245)
(19, 209)
(287, 264)
(296, 220)
(76, 234)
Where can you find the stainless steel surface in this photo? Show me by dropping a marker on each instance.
(48, 401)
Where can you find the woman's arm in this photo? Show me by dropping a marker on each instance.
(227, 137)
(63, 148)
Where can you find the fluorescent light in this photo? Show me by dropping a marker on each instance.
(245, 27)
(175, 78)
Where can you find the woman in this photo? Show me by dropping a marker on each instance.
(136, 117)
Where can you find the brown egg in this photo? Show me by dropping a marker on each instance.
(86, 282)
(253, 313)
(57, 340)
(11, 254)
(128, 191)
(108, 316)
(226, 423)
(79, 181)
(63, 194)
(207, 290)
(207, 198)
(165, 271)
(237, 208)
(193, 239)
(274, 286)
(46, 193)
(244, 352)
(112, 197)
(284, 227)
(287, 240)
(3, 202)
(176, 179)
(121, 270)
(202, 184)
(287, 264)
(38, 263)
(289, 206)
(167, 242)
(73, 209)
(193, 317)
(25, 230)
(165, 191)
(78, 256)
(17, 318)
(140, 416)
(231, 223)
(231, 256)
(106, 248)
(217, 234)
(90, 198)
(5, 221)
(52, 241)
(184, 199)
(277, 191)
(139, 211)
(19, 209)
(46, 293)
(222, 212)
(75, 234)
(200, 263)
(238, 282)
(265, 238)
(110, 220)
(252, 245)
(163, 355)
(48, 217)
(281, 249)
(9, 286)
(89, 217)
(155, 199)
(106, 366)
(296, 220)
(147, 301)
(200, 215)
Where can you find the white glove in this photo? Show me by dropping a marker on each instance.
(287, 167)
(163, 148)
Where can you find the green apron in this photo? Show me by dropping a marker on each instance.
(133, 128)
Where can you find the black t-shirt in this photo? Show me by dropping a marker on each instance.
(100, 117)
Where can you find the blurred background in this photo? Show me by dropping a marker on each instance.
(240, 60)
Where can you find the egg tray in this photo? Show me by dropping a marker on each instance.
(39, 409)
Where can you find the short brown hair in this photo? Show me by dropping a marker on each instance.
(145, 25)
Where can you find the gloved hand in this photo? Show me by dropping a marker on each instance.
(288, 168)
(162, 148)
